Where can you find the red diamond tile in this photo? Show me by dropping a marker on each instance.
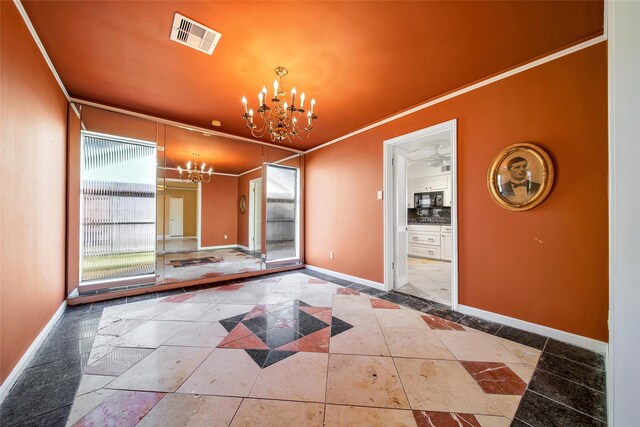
(495, 378)
(442, 324)
(250, 342)
(444, 419)
(317, 342)
(324, 315)
(347, 291)
(380, 303)
(258, 310)
(177, 298)
(313, 310)
(239, 332)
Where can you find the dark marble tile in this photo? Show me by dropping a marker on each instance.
(276, 337)
(398, 298)
(357, 286)
(276, 355)
(261, 323)
(108, 303)
(231, 322)
(577, 354)
(170, 292)
(57, 418)
(573, 395)
(258, 356)
(417, 304)
(339, 326)
(517, 423)
(443, 312)
(538, 411)
(373, 292)
(74, 329)
(29, 403)
(523, 337)
(480, 324)
(574, 371)
(307, 325)
(143, 297)
(53, 350)
(38, 376)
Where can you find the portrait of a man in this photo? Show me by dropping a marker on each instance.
(519, 186)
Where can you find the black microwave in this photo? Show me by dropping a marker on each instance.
(432, 199)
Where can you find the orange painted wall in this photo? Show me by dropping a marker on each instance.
(220, 211)
(243, 219)
(548, 265)
(33, 123)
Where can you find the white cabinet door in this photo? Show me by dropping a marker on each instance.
(436, 183)
(446, 194)
(446, 247)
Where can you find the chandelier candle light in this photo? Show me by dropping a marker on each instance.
(196, 174)
(281, 120)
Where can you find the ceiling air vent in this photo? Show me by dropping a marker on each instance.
(446, 168)
(190, 33)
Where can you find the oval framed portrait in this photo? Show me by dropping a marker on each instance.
(520, 177)
(243, 204)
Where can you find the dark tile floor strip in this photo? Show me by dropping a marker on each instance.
(567, 388)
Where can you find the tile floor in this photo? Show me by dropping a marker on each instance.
(184, 244)
(299, 349)
(429, 279)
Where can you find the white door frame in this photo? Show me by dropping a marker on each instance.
(252, 207)
(389, 188)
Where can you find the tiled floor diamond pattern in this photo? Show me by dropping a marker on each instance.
(295, 350)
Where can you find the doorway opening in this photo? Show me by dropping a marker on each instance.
(421, 214)
(178, 216)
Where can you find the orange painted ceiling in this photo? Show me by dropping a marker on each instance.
(362, 61)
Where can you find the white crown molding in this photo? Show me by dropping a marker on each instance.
(32, 30)
(578, 340)
(502, 76)
(26, 358)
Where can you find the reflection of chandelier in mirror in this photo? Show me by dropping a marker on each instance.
(195, 172)
(281, 120)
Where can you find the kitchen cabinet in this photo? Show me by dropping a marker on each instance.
(432, 183)
(430, 241)
(446, 194)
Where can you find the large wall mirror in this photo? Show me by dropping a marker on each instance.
(162, 204)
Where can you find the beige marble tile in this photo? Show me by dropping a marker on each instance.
(522, 370)
(89, 383)
(317, 298)
(349, 416)
(86, 403)
(276, 413)
(475, 346)
(356, 316)
(224, 311)
(185, 311)
(417, 343)
(364, 381)
(101, 347)
(120, 327)
(209, 296)
(199, 334)
(506, 404)
(490, 421)
(150, 335)
(188, 410)
(302, 376)
(226, 372)
(144, 310)
(527, 354)
(443, 386)
(360, 340)
(400, 319)
(163, 370)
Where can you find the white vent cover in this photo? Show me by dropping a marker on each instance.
(190, 33)
(445, 168)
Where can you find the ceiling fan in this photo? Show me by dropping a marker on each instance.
(436, 159)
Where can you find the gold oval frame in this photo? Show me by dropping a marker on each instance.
(546, 167)
(243, 204)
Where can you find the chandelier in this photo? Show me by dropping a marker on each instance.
(280, 120)
(195, 172)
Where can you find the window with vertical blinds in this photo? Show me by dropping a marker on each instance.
(118, 211)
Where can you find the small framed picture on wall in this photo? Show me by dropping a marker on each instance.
(520, 177)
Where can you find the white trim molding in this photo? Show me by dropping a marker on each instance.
(354, 279)
(26, 358)
(208, 248)
(568, 337)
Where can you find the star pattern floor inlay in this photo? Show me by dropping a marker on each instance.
(295, 350)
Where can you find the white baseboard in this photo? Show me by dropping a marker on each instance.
(246, 248)
(22, 364)
(167, 237)
(568, 337)
(354, 279)
(208, 248)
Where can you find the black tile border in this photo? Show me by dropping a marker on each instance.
(564, 366)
